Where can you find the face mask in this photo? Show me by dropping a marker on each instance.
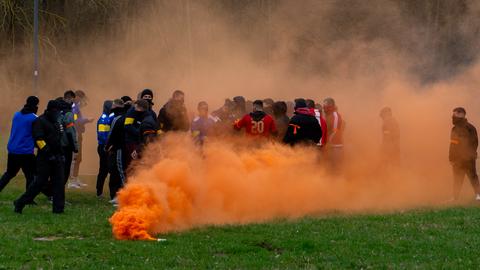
(150, 101)
(457, 120)
(117, 111)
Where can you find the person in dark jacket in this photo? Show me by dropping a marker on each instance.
(69, 138)
(133, 136)
(148, 126)
(20, 144)
(303, 127)
(281, 119)
(127, 103)
(147, 95)
(115, 147)
(103, 129)
(173, 115)
(463, 152)
(47, 132)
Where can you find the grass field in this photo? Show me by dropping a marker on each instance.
(81, 239)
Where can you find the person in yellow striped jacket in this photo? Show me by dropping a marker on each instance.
(103, 129)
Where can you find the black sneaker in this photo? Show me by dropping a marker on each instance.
(18, 209)
(31, 203)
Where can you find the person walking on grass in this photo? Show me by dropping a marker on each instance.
(463, 152)
(47, 132)
(20, 144)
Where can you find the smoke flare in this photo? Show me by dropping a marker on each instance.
(226, 182)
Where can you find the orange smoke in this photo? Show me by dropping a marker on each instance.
(180, 186)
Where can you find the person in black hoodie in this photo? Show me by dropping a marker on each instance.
(147, 95)
(173, 115)
(463, 152)
(47, 132)
(133, 136)
(127, 103)
(148, 126)
(115, 147)
(21, 145)
(303, 127)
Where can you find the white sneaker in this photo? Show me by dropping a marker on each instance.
(72, 184)
(478, 197)
(114, 201)
(78, 182)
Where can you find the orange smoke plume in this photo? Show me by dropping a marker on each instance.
(180, 186)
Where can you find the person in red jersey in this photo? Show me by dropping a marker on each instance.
(257, 123)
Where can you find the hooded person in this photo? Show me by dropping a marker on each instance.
(463, 152)
(127, 101)
(147, 94)
(303, 127)
(257, 123)
(47, 133)
(173, 115)
(103, 129)
(21, 145)
(115, 149)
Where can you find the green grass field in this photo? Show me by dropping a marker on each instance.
(81, 239)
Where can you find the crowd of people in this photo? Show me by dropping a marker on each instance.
(127, 126)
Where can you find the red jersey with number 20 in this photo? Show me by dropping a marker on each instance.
(257, 123)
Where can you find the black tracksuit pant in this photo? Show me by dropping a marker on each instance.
(52, 168)
(16, 162)
(116, 166)
(103, 169)
(462, 168)
(68, 163)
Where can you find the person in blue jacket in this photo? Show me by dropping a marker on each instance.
(103, 129)
(20, 144)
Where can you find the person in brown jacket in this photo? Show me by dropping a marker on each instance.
(463, 152)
